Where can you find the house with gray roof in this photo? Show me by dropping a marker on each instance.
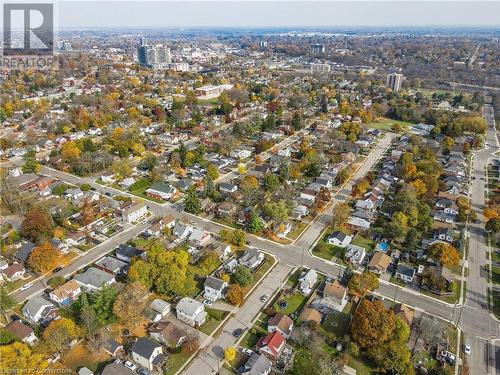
(215, 288)
(38, 310)
(94, 279)
(24, 252)
(257, 364)
(251, 258)
(111, 265)
(191, 312)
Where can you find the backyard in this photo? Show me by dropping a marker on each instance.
(385, 123)
(289, 303)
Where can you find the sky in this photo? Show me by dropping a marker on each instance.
(101, 14)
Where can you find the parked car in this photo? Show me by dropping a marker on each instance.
(264, 298)
(247, 352)
(57, 269)
(208, 302)
(143, 371)
(130, 365)
(238, 332)
(467, 349)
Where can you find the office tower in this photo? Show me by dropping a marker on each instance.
(263, 44)
(317, 49)
(394, 81)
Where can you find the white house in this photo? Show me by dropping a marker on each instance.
(355, 254)
(340, 239)
(307, 281)
(22, 331)
(108, 178)
(405, 273)
(39, 310)
(215, 288)
(199, 237)
(147, 353)
(66, 293)
(13, 272)
(252, 258)
(134, 212)
(191, 312)
(157, 309)
(182, 231)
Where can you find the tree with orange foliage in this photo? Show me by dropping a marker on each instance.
(44, 258)
(445, 254)
(490, 213)
(87, 213)
(70, 151)
(235, 294)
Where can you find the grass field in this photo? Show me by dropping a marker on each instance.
(495, 274)
(336, 323)
(496, 302)
(294, 303)
(362, 365)
(385, 123)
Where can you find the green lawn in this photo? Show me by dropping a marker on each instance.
(495, 274)
(385, 123)
(249, 340)
(451, 298)
(214, 318)
(295, 302)
(293, 280)
(326, 251)
(264, 267)
(496, 302)
(362, 241)
(294, 233)
(362, 365)
(336, 323)
(175, 361)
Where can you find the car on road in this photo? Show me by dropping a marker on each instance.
(26, 286)
(130, 365)
(208, 302)
(467, 349)
(143, 371)
(264, 298)
(57, 269)
(238, 332)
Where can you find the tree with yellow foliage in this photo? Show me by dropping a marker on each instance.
(59, 334)
(19, 357)
(70, 151)
(230, 354)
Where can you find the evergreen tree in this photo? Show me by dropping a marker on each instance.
(192, 203)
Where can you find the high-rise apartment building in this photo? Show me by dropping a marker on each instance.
(156, 57)
(394, 81)
(317, 49)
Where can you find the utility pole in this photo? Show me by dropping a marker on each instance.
(396, 293)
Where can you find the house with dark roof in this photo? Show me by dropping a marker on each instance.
(147, 353)
(13, 272)
(126, 252)
(339, 238)
(215, 288)
(24, 252)
(405, 273)
(167, 333)
(94, 279)
(111, 265)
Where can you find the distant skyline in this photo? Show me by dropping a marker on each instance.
(157, 14)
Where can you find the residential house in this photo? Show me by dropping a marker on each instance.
(257, 364)
(199, 237)
(355, 254)
(215, 289)
(271, 345)
(115, 368)
(167, 333)
(22, 331)
(74, 194)
(161, 191)
(403, 311)
(75, 239)
(307, 281)
(147, 353)
(24, 251)
(339, 239)
(379, 263)
(154, 230)
(66, 293)
(334, 297)
(251, 258)
(94, 279)
(134, 211)
(38, 310)
(167, 222)
(125, 252)
(405, 273)
(111, 265)
(228, 188)
(299, 212)
(226, 209)
(182, 231)
(282, 324)
(13, 272)
(222, 250)
(127, 182)
(157, 310)
(112, 347)
(358, 223)
(191, 312)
